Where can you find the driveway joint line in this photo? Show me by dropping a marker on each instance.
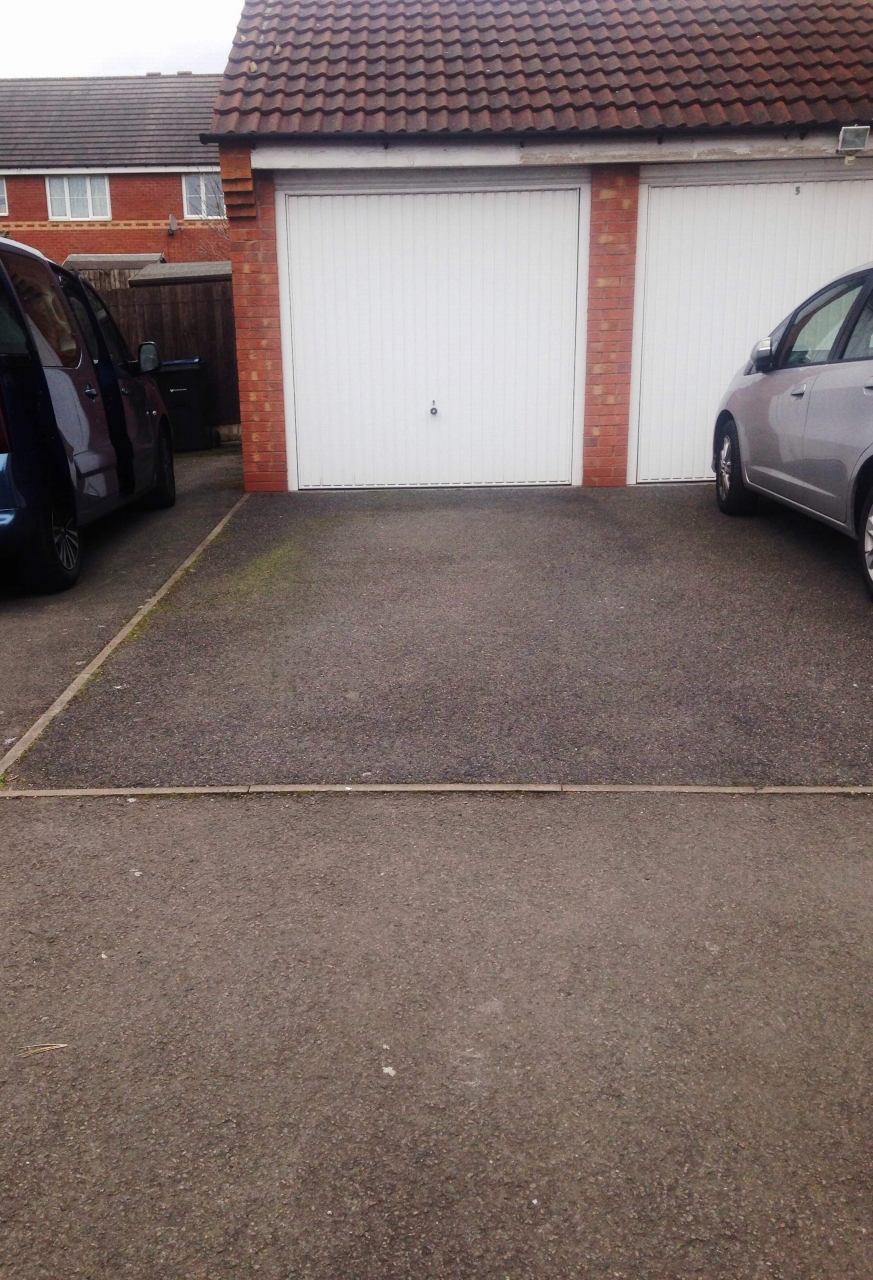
(26, 741)
(430, 788)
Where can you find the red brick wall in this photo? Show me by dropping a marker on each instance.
(612, 261)
(141, 205)
(258, 342)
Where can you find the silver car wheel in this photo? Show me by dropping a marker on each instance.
(868, 544)
(66, 539)
(724, 469)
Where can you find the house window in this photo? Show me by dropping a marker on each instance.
(4, 203)
(203, 195)
(78, 199)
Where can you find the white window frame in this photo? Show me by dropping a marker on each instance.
(201, 217)
(4, 199)
(67, 216)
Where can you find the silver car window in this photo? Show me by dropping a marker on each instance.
(817, 324)
(860, 344)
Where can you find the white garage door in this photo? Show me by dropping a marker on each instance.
(723, 264)
(433, 337)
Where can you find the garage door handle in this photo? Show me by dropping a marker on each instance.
(798, 391)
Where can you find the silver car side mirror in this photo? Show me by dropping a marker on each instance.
(762, 356)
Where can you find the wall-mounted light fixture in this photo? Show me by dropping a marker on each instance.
(853, 140)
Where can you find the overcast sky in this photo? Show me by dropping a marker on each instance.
(115, 37)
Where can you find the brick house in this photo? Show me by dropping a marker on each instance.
(101, 165)
(526, 241)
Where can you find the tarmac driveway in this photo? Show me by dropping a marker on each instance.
(513, 635)
(413, 1037)
(46, 640)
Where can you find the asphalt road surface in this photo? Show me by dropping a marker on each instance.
(597, 636)
(424, 1037)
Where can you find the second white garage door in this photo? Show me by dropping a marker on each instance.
(433, 337)
(722, 263)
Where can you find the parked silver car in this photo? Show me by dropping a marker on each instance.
(797, 421)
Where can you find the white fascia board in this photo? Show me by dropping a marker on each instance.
(379, 155)
(372, 154)
(692, 150)
(76, 170)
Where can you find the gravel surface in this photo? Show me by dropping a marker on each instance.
(631, 635)
(377, 1037)
(46, 640)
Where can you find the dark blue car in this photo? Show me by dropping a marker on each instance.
(83, 429)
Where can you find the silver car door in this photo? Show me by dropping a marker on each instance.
(773, 413)
(775, 427)
(839, 424)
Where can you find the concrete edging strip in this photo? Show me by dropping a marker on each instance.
(429, 788)
(27, 740)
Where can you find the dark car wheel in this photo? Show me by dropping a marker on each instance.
(164, 492)
(733, 498)
(865, 542)
(53, 559)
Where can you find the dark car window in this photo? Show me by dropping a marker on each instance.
(860, 344)
(50, 325)
(13, 340)
(109, 329)
(85, 323)
(817, 324)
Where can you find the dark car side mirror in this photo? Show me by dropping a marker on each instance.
(149, 360)
(762, 356)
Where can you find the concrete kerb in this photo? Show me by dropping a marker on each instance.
(426, 788)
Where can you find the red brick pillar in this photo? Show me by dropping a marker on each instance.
(251, 209)
(611, 266)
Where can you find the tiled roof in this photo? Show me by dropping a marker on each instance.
(106, 120)
(321, 67)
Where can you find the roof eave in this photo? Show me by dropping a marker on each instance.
(253, 138)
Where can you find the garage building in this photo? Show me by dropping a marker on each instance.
(505, 243)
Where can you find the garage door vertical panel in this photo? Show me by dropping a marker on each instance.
(462, 302)
(723, 264)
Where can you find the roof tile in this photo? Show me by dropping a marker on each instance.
(107, 121)
(316, 67)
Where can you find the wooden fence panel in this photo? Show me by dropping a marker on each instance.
(185, 320)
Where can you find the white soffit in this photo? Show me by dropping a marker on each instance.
(371, 154)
